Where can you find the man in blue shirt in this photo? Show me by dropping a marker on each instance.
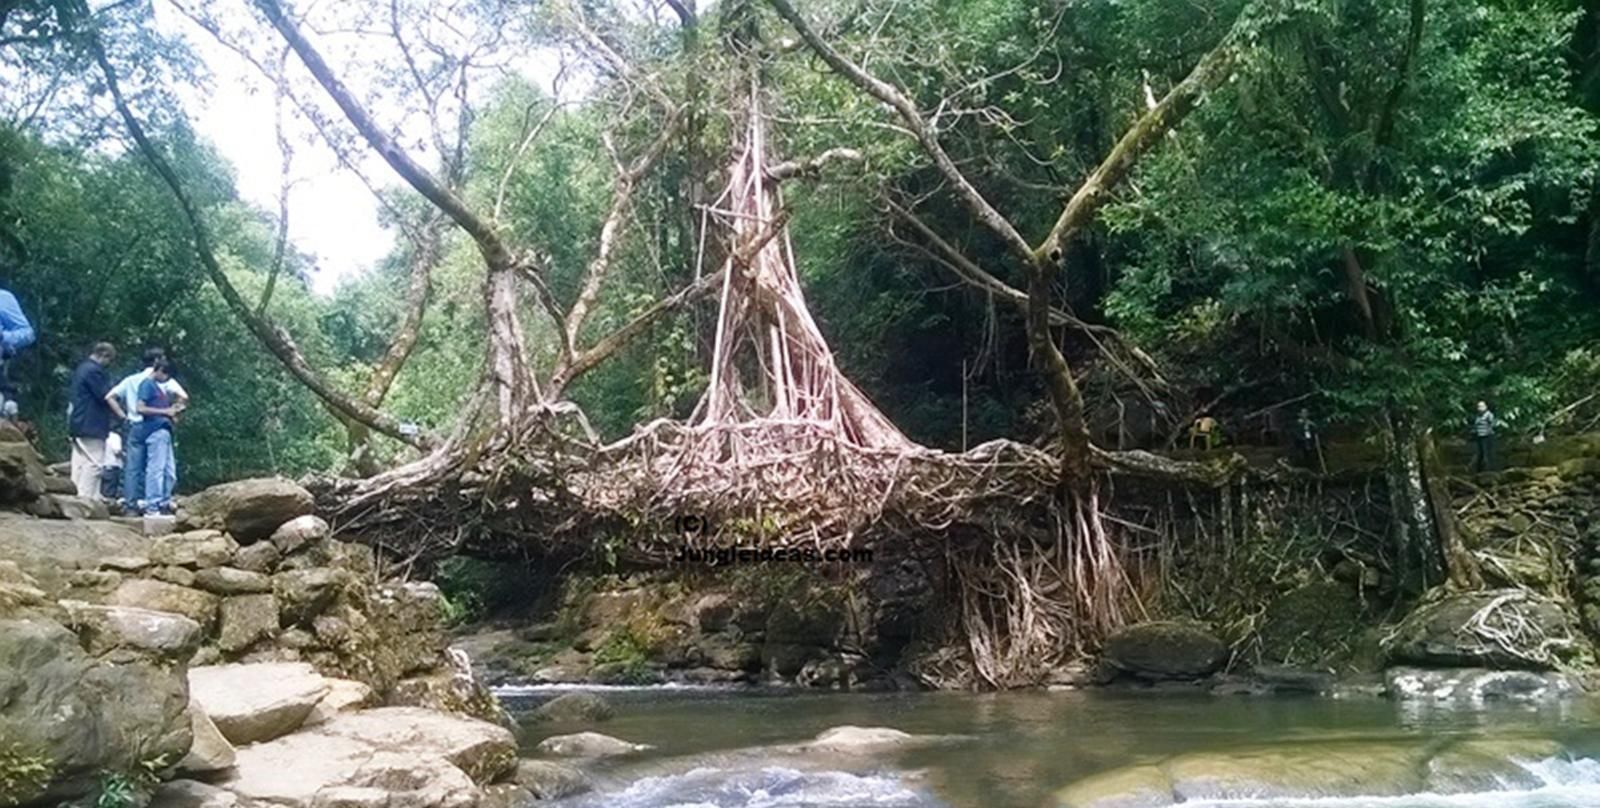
(158, 407)
(16, 333)
(89, 418)
(124, 401)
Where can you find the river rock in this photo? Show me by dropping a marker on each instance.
(1504, 628)
(575, 708)
(1131, 787)
(142, 593)
(1473, 686)
(68, 506)
(453, 690)
(248, 509)
(298, 532)
(194, 794)
(389, 779)
(196, 549)
(422, 758)
(20, 595)
(50, 550)
(79, 715)
(1488, 764)
(231, 581)
(1297, 772)
(1166, 650)
(548, 780)
(257, 702)
(860, 740)
(306, 593)
(259, 557)
(588, 745)
(210, 751)
(344, 695)
(177, 576)
(22, 477)
(123, 633)
(246, 619)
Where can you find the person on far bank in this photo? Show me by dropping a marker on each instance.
(16, 333)
(124, 401)
(157, 407)
(89, 418)
(1483, 426)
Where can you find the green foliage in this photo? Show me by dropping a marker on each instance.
(474, 589)
(24, 773)
(1468, 195)
(131, 788)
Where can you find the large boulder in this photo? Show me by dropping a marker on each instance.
(573, 708)
(194, 794)
(124, 633)
(417, 757)
(1166, 650)
(344, 695)
(298, 532)
(452, 688)
(549, 780)
(305, 594)
(78, 717)
(246, 619)
(1503, 628)
(210, 752)
(51, 550)
(143, 593)
(588, 745)
(20, 595)
(257, 702)
(1472, 687)
(196, 549)
(231, 581)
(250, 510)
(22, 476)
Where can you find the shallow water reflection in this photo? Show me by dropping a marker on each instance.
(1023, 746)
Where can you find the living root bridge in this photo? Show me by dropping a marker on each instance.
(772, 483)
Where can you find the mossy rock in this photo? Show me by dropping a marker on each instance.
(1317, 625)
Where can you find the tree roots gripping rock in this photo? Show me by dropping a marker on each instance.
(782, 452)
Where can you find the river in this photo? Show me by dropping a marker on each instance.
(723, 748)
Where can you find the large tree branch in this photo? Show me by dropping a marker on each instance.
(618, 65)
(494, 249)
(277, 342)
(611, 343)
(606, 346)
(791, 169)
(628, 178)
(1212, 69)
(946, 255)
(924, 133)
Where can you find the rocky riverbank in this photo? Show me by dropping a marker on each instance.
(1282, 589)
(243, 657)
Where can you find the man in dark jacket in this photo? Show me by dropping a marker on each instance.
(89, 418)
(1483, 426)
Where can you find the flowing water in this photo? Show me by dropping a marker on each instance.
(722, 749)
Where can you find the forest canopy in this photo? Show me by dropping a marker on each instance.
(1383, 212)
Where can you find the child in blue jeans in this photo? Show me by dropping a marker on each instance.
(159, 408)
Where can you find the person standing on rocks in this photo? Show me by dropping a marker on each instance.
(89, 418)
(1483, 426)
(124, 401)
(16, 333)
(157, 407)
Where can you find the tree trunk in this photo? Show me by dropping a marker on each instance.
(1461, 567)
(1419, 563)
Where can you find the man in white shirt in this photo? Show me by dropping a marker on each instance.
(123, 399)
